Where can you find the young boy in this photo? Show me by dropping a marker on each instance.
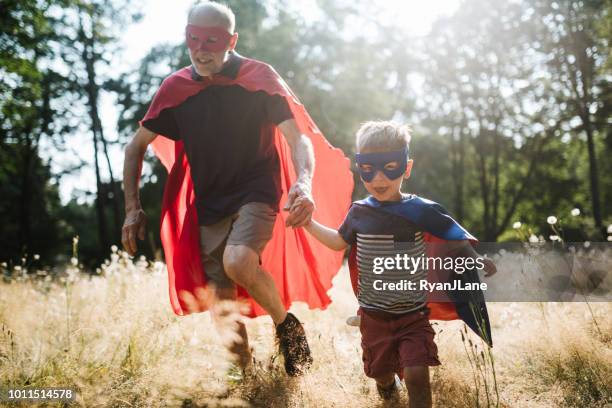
(396, 334)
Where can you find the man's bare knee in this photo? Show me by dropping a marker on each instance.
(240, 263)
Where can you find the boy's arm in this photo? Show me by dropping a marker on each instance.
(327, 236)
(465, 249)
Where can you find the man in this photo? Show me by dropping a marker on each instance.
(228, 170)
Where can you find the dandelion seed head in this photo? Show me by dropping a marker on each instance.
(609, 238)
(533, 239)
(114, 248)
(74, 261)
(610, 229)
(36, 257)
(517, 225)
(575, 212)
(554, 238)
(552, 220)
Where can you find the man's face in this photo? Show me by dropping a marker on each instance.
(208, 47)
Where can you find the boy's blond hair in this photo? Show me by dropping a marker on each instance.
(382, 136)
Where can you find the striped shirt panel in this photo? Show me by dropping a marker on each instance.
(371, 246)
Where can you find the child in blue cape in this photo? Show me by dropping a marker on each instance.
(397, 337)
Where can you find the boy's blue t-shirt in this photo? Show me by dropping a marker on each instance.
(379, 234)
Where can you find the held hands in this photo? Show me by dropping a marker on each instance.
(134, 225)
(300, 205)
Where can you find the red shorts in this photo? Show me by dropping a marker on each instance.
(391, 342)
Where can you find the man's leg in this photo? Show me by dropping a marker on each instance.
(241, 264)
(212, 240)
(249, 235)
(224, 315)
(419, 389)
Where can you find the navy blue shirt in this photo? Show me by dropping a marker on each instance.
(228, 134)
(379, 234)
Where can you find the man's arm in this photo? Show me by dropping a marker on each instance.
(302, 154)
(135, 220)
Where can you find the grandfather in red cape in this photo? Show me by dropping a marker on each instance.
(217, 122)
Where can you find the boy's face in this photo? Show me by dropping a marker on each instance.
(372, 167)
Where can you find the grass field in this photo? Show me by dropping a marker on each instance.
(115, 340)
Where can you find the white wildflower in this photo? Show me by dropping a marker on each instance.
(554, 238)
(610, 238)
(36, 257)
(17, 268)
(575, 212)
(587, 244)
(74, 261)
(552, 220)
(114, 248)
(533, 239)
(517, 225)
(610, 229)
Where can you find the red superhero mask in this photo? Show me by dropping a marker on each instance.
(211, 39)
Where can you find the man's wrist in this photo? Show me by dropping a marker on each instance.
(305, 181)
(133, 207)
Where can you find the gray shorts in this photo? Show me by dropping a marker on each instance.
(251, 226)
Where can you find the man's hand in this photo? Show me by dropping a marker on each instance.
(300, 205)
(134, 225)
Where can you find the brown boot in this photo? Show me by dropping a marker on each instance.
(293, 345)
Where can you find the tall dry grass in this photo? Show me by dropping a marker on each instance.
(115, 340)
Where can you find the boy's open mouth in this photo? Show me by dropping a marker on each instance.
(380, 190)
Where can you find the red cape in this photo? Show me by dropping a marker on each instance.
(302, 267)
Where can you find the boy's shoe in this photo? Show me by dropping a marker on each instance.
(293, 345)
(354, 321)
(391, 391)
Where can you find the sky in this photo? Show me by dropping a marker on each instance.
(163, 22)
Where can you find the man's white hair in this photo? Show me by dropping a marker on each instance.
(219, 12)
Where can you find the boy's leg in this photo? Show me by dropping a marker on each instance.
(419, 389)
(418, 352)
(386, 386)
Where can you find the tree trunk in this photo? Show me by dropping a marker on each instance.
(92, 99)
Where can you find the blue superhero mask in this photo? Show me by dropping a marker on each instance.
(378, 162)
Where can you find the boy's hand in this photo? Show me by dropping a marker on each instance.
(489, 267)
